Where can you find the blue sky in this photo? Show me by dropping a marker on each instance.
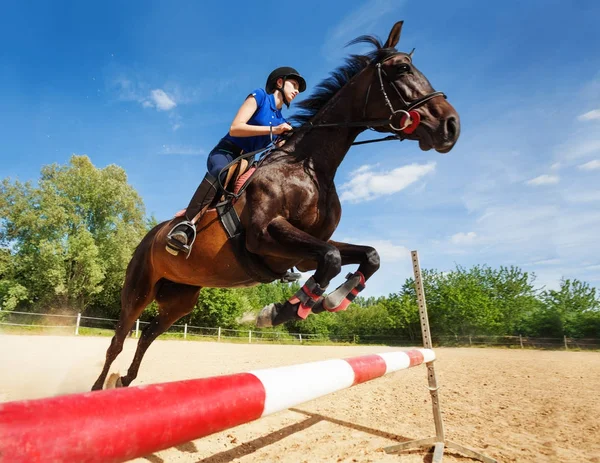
(152, 86)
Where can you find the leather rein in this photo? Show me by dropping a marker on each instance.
(408, 118)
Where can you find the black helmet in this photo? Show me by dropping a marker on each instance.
(285, 73)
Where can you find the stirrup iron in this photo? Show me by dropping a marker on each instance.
(174, 249)
(290, 277)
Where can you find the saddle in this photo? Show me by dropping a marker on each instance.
(237, 176)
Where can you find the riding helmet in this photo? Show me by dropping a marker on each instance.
(285, 73)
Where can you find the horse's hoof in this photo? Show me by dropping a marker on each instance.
(113, 381)
(266, 316)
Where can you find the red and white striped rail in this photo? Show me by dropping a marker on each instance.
(120, 424)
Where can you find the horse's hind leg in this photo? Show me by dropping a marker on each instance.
(174, 301)
(137, 293)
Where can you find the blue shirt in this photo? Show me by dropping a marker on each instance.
(266, 114)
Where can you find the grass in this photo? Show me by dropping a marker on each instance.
(243, 339)
(36, 330)
(168, 336)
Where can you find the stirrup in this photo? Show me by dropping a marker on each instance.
(175, 246)
(290, 277)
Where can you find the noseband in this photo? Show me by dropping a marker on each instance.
(407, 116)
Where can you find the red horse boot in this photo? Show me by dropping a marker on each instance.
(298, 306)
(341, 298)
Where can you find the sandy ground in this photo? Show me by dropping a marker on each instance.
(513, 405)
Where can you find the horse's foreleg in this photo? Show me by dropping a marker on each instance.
(366, 256)
(286, 241)
(174, 301)
(368, 260)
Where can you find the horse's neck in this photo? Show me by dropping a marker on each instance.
(328, 146)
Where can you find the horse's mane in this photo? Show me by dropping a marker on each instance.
(327, 89)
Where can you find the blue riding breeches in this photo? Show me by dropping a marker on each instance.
(221, 155)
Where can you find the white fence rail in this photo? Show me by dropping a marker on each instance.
(186, 331)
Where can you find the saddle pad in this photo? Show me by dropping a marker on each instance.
(238, 185)
(243, 179)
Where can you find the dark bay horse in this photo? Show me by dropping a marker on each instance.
(290, 209)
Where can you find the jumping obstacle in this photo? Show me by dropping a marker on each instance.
(121, 424)
(439, 441)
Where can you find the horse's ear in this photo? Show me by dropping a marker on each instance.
(394, 37)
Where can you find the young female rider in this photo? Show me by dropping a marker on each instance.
(251, 129)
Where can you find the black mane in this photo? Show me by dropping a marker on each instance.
(323, 93)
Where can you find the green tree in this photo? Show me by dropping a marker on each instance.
(513, 296)
(12, 294)
(403, 312)
(323, 324)
(72, 234)
(479, 300)
(218, 307)
(364, 322)
(571, 310)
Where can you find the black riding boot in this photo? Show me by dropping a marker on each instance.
(182, 235)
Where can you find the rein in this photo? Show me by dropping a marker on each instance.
(409, 118)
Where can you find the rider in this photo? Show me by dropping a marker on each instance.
(256, 121)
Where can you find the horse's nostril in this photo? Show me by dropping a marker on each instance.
(451, 128)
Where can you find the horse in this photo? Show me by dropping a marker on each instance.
(290, 208)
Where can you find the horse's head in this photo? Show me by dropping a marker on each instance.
(396, 88)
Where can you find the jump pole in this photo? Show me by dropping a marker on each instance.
(439, 441)
(120, 424)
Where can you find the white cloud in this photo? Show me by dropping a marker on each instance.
(592, 165)
(576, 148)
(388, 251)
(518, 233)
(545, 262)
(136, 90)
(582, 197)
(362, 169)
(176, 121)
(161, 100)
(181, 150)
(127, 90)
(544, 180)
(367, 185)
(512, 225)
(463, 238)
(590, 115)
(556, 166)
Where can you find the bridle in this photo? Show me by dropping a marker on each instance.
(408, 105)
(408, 118)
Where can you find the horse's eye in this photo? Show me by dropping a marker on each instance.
(403, 68)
